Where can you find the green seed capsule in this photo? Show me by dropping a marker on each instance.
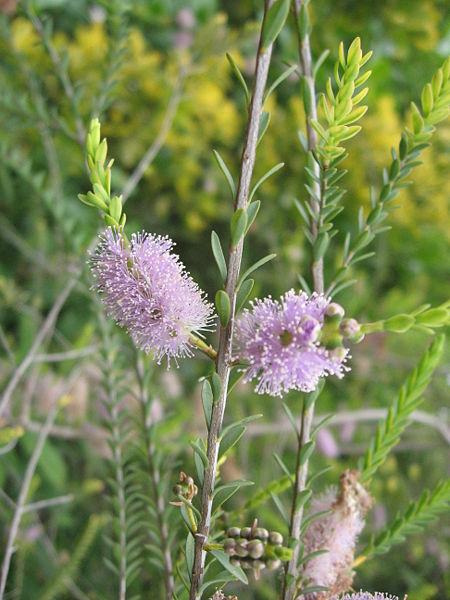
(233, 532)
(275, 538)
(229, 546)
(273, 564)
(235, 562)
(255, 549)
(246, 532)
(241, 547)
(258, 565)
(261, 534)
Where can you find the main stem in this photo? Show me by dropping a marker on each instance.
(301, 471)
(223, 360)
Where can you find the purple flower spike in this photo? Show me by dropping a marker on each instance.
(279, 341)
(366, 596)
(146, 289)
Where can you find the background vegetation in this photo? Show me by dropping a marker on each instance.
(129, 64)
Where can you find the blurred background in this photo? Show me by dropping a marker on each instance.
(156, 73)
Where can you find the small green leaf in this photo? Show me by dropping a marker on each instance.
(195, 445)
(218, 255)
(257, 264)
(216, 385)
(240, 78)
(306, 452)
(274, 21)
(223, 307)
(291, 417)
(264, 177)
(207, 401)
(190, 548)
(280, 507)
(243, 293)
(302, 498)
(224, 560)
(226, 491)
(238, 225)
(230, 438)
(252, 211)
(263, 124)
(223, 167)
(277, 82)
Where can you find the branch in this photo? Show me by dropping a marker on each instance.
(44, 330)
(19, 508)
(226, 333)
(301, 472)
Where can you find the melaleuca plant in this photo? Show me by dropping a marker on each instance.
(291, 343)
(170, 530)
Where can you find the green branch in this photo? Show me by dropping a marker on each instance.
(410, 396)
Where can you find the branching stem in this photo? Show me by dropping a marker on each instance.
(226, 334)
(301, 470)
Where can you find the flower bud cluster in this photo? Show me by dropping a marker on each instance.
(185, 487)
(255, 548)
(336, 329)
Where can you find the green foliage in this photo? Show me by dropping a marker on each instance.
(410, 396)
(416, 517)
(68, 572)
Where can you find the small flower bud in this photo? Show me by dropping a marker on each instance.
(275, 538)
(310, 327)
(334, 311)
(273, 564)
(258, 565)
(350, 328)
(261, 533)
(255, 549)
(177, 489)
(246, 532)
(229, 546)
(233, 532)
(235, 562)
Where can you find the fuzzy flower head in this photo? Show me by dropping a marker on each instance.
(366, 596)
(337, 533)
(279, 340)
(146, 290)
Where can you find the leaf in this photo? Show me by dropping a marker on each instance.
(274, 21)
(223, 307)
(223, 167)
(280, 507)
(263, 179)
(238, 225)
(278, 81)
(190, 548)
(306, 452)
(252, 211)
(195, 445)
(243, 293)
(243, 421)
(224, 560)
(291, 417)
(263, 124)
(224, 492)
(257, 264)
(218, 255)
(230, 438)
(283, 467)
(240, 78)
(207, 401)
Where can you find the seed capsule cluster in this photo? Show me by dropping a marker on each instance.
(254, 548)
